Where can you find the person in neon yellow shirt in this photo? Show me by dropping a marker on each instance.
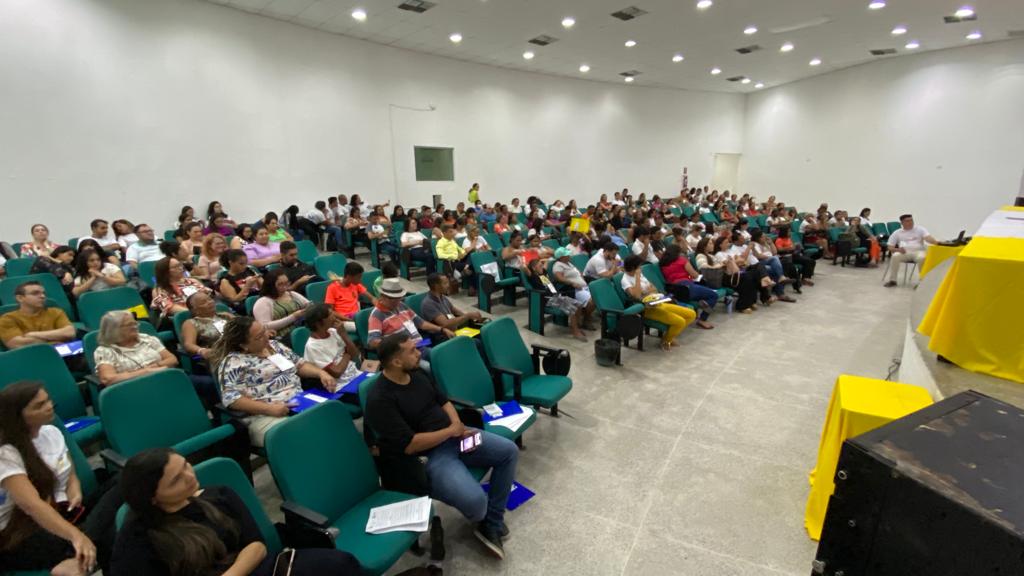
(454, 259)
(474, 194)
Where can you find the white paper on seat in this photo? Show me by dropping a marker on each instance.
(406, 516)
(515, 421)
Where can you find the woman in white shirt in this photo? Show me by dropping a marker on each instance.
(474, 241)
(39, 489)
(412, 243)
(92, 274)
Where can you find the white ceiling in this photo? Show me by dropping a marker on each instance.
(495, 32)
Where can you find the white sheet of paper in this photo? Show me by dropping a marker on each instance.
(315, 397)
(406, 516)
(281, 362)
(515, 421)
(219, 324)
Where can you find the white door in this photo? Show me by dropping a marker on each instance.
(726, 174)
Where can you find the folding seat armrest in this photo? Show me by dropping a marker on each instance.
(225, 411)
(539, 350)
(93, 380)
(517, 382)
(113, 460)
(299, 513)
(304, 528)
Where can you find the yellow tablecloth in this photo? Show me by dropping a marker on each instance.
(937, 255)
(977, 314)
(858, 405)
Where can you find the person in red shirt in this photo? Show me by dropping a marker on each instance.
(345, 293)
(679, 273)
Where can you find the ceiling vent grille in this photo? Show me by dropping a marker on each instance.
(417, 6)
(954, 19)
(543, 40)
(883, 51)
(630, 13)
(735, 78)
(630, 73)
(748, 49)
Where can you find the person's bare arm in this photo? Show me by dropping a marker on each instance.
(247, 560)
(109, 375)
(58, 335)
(258, 407)
(20, 489)
(426, 440)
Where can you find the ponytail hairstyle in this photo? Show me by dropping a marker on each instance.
(185, 547)
(14, 398)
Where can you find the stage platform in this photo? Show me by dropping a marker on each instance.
(919, 365)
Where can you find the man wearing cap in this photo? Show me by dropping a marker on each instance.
(567, 274)
(392, 316)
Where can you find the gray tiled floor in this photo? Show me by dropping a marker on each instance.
(692, 461)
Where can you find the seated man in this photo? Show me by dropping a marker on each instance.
(391, 316)
(34, 323)
(411, 418)
(907, 245)
(642, 246)
(146, 249)
(100, 232)
(298, 272)
(345, 293)
(603, 264)
(437, 308)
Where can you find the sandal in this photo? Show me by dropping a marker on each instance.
(705, 325)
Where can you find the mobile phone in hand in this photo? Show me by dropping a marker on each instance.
(470, 442)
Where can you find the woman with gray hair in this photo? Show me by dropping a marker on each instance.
(124, 353)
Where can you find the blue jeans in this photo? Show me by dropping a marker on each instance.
(701, 293)
(774, 267)
(451, 482)
(339, 236)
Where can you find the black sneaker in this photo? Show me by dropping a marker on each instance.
(890, 284)
(491, 539)
(437, 550)
(504, 533)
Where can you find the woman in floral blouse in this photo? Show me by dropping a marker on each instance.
(173, 288)
(40, 244)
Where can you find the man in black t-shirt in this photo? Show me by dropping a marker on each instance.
(298, 272)
(410, 416)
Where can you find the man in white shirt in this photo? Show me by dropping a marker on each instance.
(693, 238)
(907, 245)
(147, 249)
(320, 216)
(102, 234)
(642, 245)
(618, 200)
(603, 264)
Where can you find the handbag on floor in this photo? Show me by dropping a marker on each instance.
(712, 277)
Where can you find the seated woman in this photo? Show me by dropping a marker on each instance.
(729, 248)
(566, 274)
(637, 288)
(218, 224)
(243, 235)
(278, 308)
(679, 273)
(90, 244)
(40, 244)
(193, 242)
(177, 528)
(214, 208)
(125, 353)
(782, 272)
(239, 280)
(173, 287)
(46, 521)
(204, 327)
(276, 233)
(329, 346)
(259, 376)
(208, 267)
(356, 226)
(413, 244)
(124, 231)
(726, 274)
(533, 244)
(865, 237)
(57, 262)
(94, 275)
(263, 252)
(787, 248)
(558, 299)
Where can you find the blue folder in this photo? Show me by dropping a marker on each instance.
(310, 398)
(507, 409)
(516, 497)
(72, 348)
(76, 424)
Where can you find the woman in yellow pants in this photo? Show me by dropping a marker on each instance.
(636, 286)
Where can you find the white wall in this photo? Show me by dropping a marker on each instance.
(132, 108)
(940, 134)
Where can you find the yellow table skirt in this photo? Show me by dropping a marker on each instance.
(976, 315)
(858, 405)
(937, 255)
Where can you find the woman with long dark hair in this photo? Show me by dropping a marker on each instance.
(92, 274)
(177, 528)
(40, 495)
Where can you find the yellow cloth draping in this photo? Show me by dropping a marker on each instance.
(858, 405)
(937, 255)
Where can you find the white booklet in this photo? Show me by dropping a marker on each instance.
(406, 516)
(515, 421)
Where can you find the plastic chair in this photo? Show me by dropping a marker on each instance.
(300, 336)
(537, 303)
(659, 284)
(317, 291)
(580, 261)
(415, 302)
(300, 462)
(519, 369)
(307, 251)
(54, 291)
(19, 266)
(618, 321)
(220, 471)
(487, 284)
(892, 227)
(41, 362)
(250, 302)
(460, 372)
(369, 277)
(159, 409)
(362, 320)
(147, 273)
(93, 305)
(330, 263)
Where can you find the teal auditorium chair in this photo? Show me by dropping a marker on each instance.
(300, 461)
(307, 251)
(159, 409)
(518, 369)
(415, 302)
(51, 285)
(460, 372)
(487, 284)
(147, 273)
(19, 267)
(317, 291)
(93, 305)
(537, 301)
(41, 362)
(618, 321)
(330, 263)
(660, 327)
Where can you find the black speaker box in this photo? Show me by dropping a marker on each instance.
(939, 492)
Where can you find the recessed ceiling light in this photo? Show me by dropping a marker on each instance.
(455, 38)
(787, 47)
(716, 71)
(584, 68)
(912, 45)
(974, 35)
(704, 4)
(528, 55)
(815, 62)
(630, 43)
(359, 14)
(628, 78)
(964, 12)
(745, 81)
(759, 85)
(899, 30)
(876, 5)
(678, 58)
(750, 30)
(568, 22)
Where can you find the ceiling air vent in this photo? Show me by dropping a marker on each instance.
(748, 49)
(1015, 33)
(953, 19)
(627, 14)
(630, 73)
(735, 78)
(883, 51)
(543, 40)
(417, 6)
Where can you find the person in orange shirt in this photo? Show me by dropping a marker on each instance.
(345, 293)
